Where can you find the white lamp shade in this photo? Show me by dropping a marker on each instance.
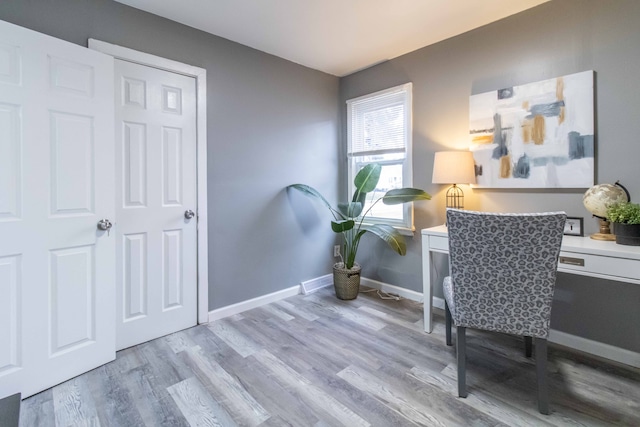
(453, 167)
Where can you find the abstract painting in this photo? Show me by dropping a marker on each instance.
(537, 135)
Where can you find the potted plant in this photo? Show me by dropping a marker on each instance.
(349, 220)
(625, 217)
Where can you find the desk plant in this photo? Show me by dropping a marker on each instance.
(625, 217)
(349, 220)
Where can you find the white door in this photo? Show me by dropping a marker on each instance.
(155, 193)
(57, 270)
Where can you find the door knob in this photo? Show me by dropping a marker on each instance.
(188, 214)
(104, 224)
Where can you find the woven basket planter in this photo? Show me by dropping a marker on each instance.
(346, 281)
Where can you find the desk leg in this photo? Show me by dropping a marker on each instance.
(427, 292)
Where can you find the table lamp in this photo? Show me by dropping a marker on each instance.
(454, 167)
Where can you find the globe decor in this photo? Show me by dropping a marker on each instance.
(598, 199)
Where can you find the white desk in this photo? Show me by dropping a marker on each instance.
(578, 255)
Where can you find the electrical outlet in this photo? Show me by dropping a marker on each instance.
(336, 251)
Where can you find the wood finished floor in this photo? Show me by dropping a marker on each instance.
(317, 361)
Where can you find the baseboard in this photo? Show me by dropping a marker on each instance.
(232, 309)
(584, 345)
(306, 288)
(438, 303)
(392, 289)
(596, 348)
(313, 285)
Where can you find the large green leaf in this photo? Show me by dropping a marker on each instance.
(310, 192)
(390, 235)
(350, 210)
(368, 177)
(341, 226)
(404, 195)
(359, 197)
(352, 249)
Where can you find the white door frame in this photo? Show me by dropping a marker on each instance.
(200, 74)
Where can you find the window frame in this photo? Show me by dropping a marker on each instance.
(406, 224)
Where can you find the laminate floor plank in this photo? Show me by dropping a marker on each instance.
(38, 410)
(479, 401)
(388, 395)
(74, 405)
(405, 309)
(197, 405)
(327, 350)
(432, 400)
(226, 389)
(225, 330)
(296, 311)
(364, 404)
(346, 312)
(114, 404)
(155, 405)
(179, 342)
(296, 350)
(519, 394)
(275, 310)
(280, 401)
(314, 360)
(312, 395)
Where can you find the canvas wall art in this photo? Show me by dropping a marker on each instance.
(537, 135)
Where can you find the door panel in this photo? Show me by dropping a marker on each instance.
(156, 184)
(10, 165)
(56, 182)
(10, 313)
(135, 165)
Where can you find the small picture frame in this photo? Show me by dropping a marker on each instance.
(574, 226)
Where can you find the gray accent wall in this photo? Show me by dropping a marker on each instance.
(270, 123)
(553, 39)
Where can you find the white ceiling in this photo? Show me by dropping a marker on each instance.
(338, 37)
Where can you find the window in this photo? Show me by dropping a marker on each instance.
(379, 131)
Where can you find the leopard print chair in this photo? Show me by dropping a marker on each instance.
(502, 277)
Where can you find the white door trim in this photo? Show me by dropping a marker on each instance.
(200, 74)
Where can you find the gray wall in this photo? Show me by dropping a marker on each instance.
(270, 123)
(553, 39)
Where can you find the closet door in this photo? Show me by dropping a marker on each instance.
(57, 269)
(156, 264)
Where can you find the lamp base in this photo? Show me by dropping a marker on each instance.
(455, 197)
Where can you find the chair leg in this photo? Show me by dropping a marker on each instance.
(528, 341)
(541, 374)
(461, 351)
(447, 318)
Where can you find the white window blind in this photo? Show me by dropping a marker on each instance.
(379, 123)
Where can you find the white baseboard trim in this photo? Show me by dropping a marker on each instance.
(392, 289)
(313, 285)
(584, 345)
(230, 310)
(596, 348)
(438, 303)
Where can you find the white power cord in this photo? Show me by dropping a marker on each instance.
(384, 295)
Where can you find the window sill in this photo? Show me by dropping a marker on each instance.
(402, 230)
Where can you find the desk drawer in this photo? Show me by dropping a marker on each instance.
(608, 266)
(439, 243)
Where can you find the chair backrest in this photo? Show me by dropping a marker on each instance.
(503, 269)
